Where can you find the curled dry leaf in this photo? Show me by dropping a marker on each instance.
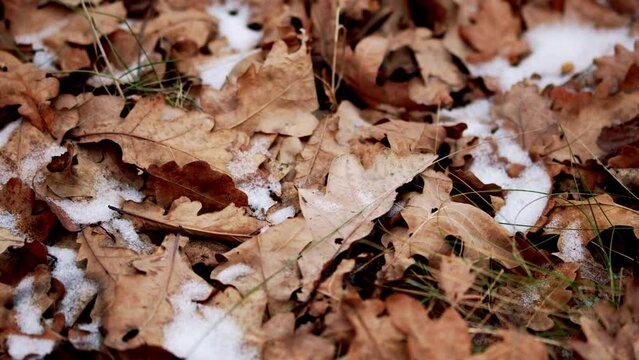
(612, 69)
(431, 217)
(277, 98)
(531, 304)
(195, 180)
(155, 133)
(187, 31)
(270, 263)
(406, 137)
(231, 223)
(83, 26)
(27, 86)
(441, 339)
(515, 345)
(354, 197)
(494, 32)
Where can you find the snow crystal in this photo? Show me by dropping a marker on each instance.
(107, 192)
(199, 332)
(78, 288)
(573, 248)
(257, 189)
(124, 76)
(552, 46)
(233, 272)
(6, 132)
(215, 72)
(280, 215)
(27, 312)
(126, 229)
(21, 346)
(530, 296)
(30, 165)
(90, 341)
(8, 221)
(233, 17)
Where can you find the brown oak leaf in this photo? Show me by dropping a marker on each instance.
(612, 69)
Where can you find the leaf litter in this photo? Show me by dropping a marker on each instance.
(318, 179)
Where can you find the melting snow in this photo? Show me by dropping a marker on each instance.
(78, 288)
(573, 244)
(21, 346)
(90, 341)
(5, 133)
(44, 57)
(233, 272)
(200, 332)
(107, 192)
(278, 217)
(27, 312)
(528, 193)
(233, 17)
(30, 165)
(552, 46)
(126, 229)
(215, 71)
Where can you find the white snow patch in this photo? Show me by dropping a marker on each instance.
(530, 296)
(126, 229)
(125, 76)
(475, 115)
(6, 132)
(257, 189)
(233, 17)
(528, 193)
(552, 46)
(21, 346)
(90, 341)
(215, 72)
(201, 332)
(278, 217)
(233, 272)
(27, 312)
(108, 191)
(8, 221)
(30, 165)
(78, 288)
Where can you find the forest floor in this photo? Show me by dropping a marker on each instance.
(320, 179)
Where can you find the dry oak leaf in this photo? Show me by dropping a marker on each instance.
(271, 257)
(283, 343)
(360, 70)
(375, 335)
(319, 151)
(277, 98)
(155, 133)
(141, 304)
(186, 30)
(231, 223)
(432, 216)
(600, 15)
(515, 345)
(354, 197)
(531, 304)
(32, 221)
(406, 137)
(614, 333)
(81, 27)
(441, 339)
(527, 113)
(26, 85)
(612, 69)
(195, 180)
(455, 277)
(29, 18)
(494, 32)
(578, 222)
(582, 131)
(105, 264)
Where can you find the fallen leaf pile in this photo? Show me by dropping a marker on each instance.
(319, 179)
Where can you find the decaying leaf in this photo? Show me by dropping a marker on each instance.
(27, 86)
(277, 98)
(455, 277)
(495, 32)
(611, 70)
(195, 180)
(354, 197)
